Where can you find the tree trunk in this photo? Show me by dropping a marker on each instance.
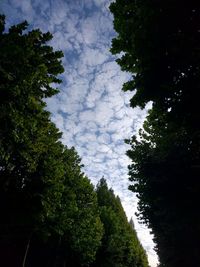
(26, 252)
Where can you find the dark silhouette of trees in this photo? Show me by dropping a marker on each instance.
(120, 245)
(160, 42)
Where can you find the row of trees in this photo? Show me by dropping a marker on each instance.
(160, 46)
(50, 213)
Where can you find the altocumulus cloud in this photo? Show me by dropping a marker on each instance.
(91, 110)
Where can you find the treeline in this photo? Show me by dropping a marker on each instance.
(160, 46)
(51, 215)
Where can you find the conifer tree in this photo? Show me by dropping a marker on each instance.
(49, 213)
(120, 245)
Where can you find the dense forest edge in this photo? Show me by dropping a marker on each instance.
(51, 214)
(159, 44)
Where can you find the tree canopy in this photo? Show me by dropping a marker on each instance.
(120, 245)
(45, 197)
(159, 42)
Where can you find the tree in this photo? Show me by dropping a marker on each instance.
(160, 45)
(27, 68)
(163, 175)
(74, 227)
(120, 245)
(46, 201)
(82, 228)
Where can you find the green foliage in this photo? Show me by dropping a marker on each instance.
(120, 245)
(164, 173)
(159, 41)
(25, 79)
(82, 227)
(45, 199)
(157, 49)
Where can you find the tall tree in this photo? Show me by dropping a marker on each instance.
(28, 66)
(46, 202)
(120, 245)
(160, 43)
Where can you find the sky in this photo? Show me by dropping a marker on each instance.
(91, 110)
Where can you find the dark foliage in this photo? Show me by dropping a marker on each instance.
(120, 245)
(160, 41)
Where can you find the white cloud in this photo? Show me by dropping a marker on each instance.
(92, 57)
(104, 138)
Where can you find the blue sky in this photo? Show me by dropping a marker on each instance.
(91, 110)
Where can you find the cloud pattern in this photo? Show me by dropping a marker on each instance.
(91, 110)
